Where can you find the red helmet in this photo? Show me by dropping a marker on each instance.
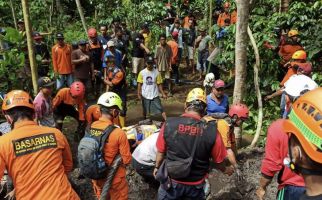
(77, 89)
(92, 32)
(239, 109)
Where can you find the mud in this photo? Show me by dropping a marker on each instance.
(223, 187)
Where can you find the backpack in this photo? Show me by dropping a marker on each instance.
(90, 154)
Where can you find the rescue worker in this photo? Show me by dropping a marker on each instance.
(303, 129)
(225, 15)
(291, 45)
(70, 102)
(180, 139)
(291, 186)
(110, 107)
(237, 114)
(95, 48)
(92, 114)
(37, 158)
(116, 82)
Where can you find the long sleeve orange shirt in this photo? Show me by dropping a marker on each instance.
(37, 159)
(117, 144)
(222, 17)
(62, 60)
(64, 96)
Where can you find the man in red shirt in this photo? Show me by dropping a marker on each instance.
(174, 60)
(181, 139)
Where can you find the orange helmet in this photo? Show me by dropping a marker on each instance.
(226, 5)
(17, 98)
(92, 32)
(299, 55)
(292, 33)
(305, 122)
(96, 113)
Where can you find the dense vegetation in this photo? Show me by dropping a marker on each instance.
(57, 15)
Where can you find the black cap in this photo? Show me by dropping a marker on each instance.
(82, 42)
(37, 35)
(45, 82)
(60, 36)
(150, 59)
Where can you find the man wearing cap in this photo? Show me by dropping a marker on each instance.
(149, 85)
(43, 103)
(291, 45)
(217, 100)
(41, 49)
(61, 55)
(112, 51)
(83, 65)
(21, 26)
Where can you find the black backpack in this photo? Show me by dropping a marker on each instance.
(90, 154)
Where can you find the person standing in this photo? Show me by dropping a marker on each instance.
(181, 139)
(176, 27)
(61, 55)
(43, 103)
(173, 43)
(110, 107)
(41, 49)
(138, 55)
(35, 157)
(190, 35)
(225, 15)
(202, 44)
(149, 85)
(115, 82)
(104, 37)
(163, 55)
(121, 45)
(112, 51)
(95, 48)
(83, 65)
(217, 100)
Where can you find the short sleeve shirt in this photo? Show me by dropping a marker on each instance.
(214, 107)
(150, 81)
(117, 55)
(137, 51)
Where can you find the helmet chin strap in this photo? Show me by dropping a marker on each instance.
(298, 169)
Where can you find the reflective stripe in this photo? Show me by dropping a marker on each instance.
(281, 194)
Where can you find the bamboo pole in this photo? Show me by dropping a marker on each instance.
(81, 13)
(31, 54)
(13, 14)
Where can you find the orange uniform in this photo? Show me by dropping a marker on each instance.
(116, 76)
(37, 159)
(233, 19)
(222, 17)
(116, 144)
(64, 96)
(174, 48)
(226, 133)
(93, 113)
(62, 60)
(292, 70)
(287, 50)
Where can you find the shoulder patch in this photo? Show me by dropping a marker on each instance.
(33, 144)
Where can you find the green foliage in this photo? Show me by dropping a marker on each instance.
(13, 59)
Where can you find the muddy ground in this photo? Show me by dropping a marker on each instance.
(222, 186)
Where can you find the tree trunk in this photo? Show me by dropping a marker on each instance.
(13, 14)
(81, 14)
(240, 57)
(210, 17)
(284, 5)
(31, 54)
(257, 89)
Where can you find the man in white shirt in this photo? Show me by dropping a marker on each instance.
(143, 158)
(149, 84)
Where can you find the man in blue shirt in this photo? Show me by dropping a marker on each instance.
(217, 100)
(112, 51)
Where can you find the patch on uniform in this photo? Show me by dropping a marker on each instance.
(95, 132)
(33, 144)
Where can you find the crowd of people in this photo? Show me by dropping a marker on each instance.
(176, 159)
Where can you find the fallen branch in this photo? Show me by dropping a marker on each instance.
(257, 89)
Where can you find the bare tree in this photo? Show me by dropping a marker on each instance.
(31, 54)
(240, 57)
(81, 14)
(13, 13)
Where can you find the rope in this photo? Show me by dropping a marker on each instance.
(110, 176)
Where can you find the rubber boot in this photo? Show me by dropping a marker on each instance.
(122, 121)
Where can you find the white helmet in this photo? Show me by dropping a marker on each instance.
(298, 83)
(109, 99)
